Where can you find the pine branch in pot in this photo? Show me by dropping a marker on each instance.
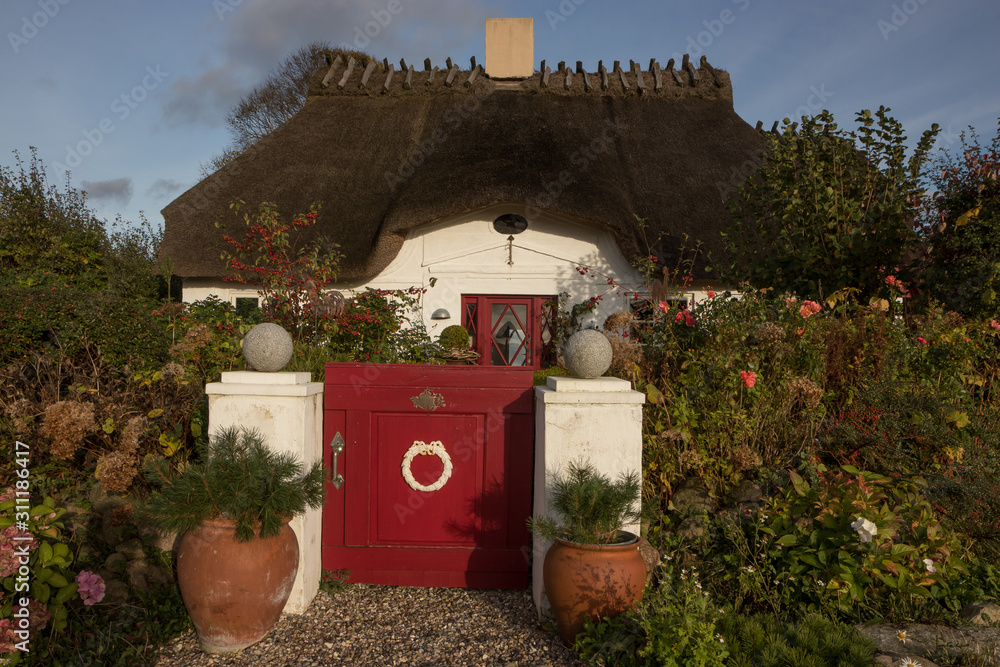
(593, 568)
(238, 557)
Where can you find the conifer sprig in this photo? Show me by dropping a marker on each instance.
(238, 477)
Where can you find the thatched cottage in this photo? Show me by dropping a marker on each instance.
(498, 182)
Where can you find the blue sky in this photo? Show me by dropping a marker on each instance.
(143, 87)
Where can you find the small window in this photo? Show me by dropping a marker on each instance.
(511, 223)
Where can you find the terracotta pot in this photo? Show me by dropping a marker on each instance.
(592, 580)
(235, 591)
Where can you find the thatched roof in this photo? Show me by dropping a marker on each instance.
(385, 151)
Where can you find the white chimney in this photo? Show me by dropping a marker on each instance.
(510, 48)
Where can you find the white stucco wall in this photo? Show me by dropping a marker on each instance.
(467, 256)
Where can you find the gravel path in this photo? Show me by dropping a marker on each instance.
(391, 625)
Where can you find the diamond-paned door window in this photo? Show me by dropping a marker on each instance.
(509, 343)
(510, 330)
(470, 319)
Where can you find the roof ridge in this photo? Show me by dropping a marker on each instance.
(368, 77)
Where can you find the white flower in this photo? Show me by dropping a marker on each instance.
(865, 528)
(909, 662)
(930, 565)
(901, 636)
(721, 640)
(749, 568)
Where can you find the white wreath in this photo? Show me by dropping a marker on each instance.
(423, 449)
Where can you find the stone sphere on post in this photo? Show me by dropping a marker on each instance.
(267, 348)
(587, 354)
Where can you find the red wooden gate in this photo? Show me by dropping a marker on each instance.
(432, 471)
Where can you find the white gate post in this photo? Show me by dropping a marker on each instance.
(288, 409)
(598, 419)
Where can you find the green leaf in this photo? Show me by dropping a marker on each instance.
(67, 592)
(653, 394)
(850, 469)
(57, 580)
(45, 552)
(787, 540)
(108, 426)
(810, 559)
(153, 414)
(959, 419)
(798, 483)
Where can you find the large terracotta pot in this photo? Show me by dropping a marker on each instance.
(235, 591)
(592, 580)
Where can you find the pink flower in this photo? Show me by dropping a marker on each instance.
(890, 280)
(652, 258)
(921, 340)
(995, 325)
(7, 636)
(38, 615)
(711, 294)
(680, 316)
(749, 378)
(809, 308)
(688, 318)
(9, 561)
(790, 301)
(91, 587)
(664, 306)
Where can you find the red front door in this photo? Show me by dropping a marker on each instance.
(433, 474)
(508, 330)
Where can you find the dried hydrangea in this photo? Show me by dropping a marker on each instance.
(808, 391)
(116, 471)
(67, 423)
(134, 430)
(771, 333)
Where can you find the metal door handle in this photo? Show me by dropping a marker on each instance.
(337, 445)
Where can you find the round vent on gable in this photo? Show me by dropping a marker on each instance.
(510, 223)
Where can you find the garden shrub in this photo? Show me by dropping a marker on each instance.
(293, 277)
(454, 336)
(762, 640)
(733, 386)
(52, 321)
(828, 209)
(48, 238)
(855, 546)
(963, 272)
(49, 584)
(87, 412)
(673, 626)
(381, 326)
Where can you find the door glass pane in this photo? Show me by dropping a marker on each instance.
(509, 342)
